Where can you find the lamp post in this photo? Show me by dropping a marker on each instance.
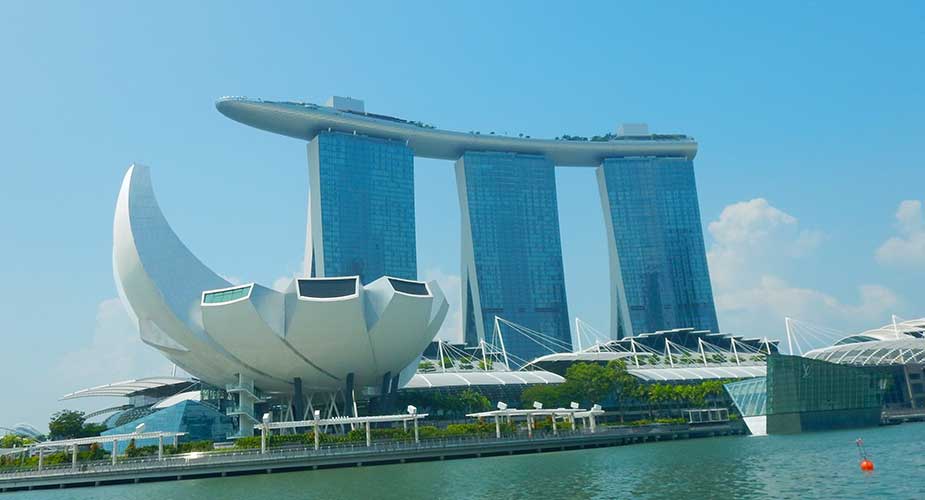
(595, 408)
(536, 406)
(413, 411)
(317, 417)
(501, 406)
(264, 430)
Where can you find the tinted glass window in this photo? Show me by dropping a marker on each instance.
(409, 287)
(327, 288)
(226, 295)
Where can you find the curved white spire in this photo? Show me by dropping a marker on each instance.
(216, 331)
(162, 283)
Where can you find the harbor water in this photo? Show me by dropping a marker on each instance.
(820, 465)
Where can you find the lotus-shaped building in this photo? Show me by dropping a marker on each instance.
(320, 335)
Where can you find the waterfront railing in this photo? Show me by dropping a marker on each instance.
(376, 449)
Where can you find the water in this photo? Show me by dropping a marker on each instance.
(805, 466)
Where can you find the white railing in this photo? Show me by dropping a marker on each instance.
(380, 447)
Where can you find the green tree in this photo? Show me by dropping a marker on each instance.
(549, 395)
(588, 382)
(472, 401)
(91, 429)
(14, 441)
(70, 424)
(627, 386)
(66, 424)
(131, 450)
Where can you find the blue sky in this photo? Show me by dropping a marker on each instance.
(809, 120)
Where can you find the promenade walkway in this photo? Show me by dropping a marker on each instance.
(223, 463)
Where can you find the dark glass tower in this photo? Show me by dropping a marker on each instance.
(361, 207)
(511, 249)
(658, 264)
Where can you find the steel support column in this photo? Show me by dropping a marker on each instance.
(348, 396)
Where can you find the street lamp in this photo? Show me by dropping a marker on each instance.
(317, 432)
(413, 411)
(264, 430)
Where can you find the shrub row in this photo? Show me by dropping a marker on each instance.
(391, 433)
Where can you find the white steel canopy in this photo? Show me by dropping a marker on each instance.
(457, 379)
(698, 373)
(127, 387)
(113, 438)
(873, 353)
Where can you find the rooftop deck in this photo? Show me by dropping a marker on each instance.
(305, 120)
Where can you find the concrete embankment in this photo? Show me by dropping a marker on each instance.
(203, 465)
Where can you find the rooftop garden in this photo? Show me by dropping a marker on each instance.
(614, 137)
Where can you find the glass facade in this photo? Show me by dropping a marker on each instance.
(226, 295)
(659, 276)
(361, 213)
(750, 396)
(807, 394)
(511, 249)
(799, 384)
(199, 421)
(327, 288)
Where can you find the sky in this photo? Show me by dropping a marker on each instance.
(809, 120)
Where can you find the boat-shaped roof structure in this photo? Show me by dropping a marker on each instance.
(304, 120)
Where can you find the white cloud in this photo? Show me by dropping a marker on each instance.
(751, 231)
(749, 222)
(115, 352)
(282, 283)
(906, 250)
(754, 243)
(451, 330)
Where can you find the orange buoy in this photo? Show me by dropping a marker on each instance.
(866, 464)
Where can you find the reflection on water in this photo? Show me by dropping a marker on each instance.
(806, 466)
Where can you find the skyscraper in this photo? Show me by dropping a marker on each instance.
(658, 266)
(511, 249)
(361, 215)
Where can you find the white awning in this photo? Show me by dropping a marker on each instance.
(698, 373)
(463, 379)
(900, 351)
(127, 387)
